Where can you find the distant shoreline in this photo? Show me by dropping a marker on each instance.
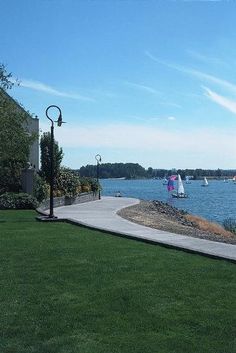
(145, 178)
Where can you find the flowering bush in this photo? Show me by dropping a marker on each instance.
(67, 183)
(11, 200)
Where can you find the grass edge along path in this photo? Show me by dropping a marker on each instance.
(68, 289)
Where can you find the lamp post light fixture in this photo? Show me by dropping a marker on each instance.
(98, 159)
(52, 174)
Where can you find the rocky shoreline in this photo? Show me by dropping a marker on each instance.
(160, 215)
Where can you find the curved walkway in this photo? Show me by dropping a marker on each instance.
(101, 214)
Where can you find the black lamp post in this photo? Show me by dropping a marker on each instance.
(98, 159)
(52, 174)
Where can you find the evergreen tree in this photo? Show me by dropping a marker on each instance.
(45, 142)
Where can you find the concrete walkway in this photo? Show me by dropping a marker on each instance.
(101, 214)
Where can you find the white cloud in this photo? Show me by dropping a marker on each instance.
(142, 87)
(171, 104)
(151, 119)
(147, 145)
(145, 138)
(152, 90)
(143, 118)
(199, 74)
(39, 86)
(151, 56)
(204, 58)
(222, 101)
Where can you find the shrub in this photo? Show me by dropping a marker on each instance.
(85, 185)
(207, 226)
(10, 176)
(67, 183)
(230, 224)
(94, 184)
(89, 184)
(41, 188)
(86, 188)
(17, 201)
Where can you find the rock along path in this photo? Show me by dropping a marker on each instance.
(101, 214)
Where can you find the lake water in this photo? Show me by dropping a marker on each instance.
(215, 202)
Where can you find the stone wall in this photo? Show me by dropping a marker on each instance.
(65, 200)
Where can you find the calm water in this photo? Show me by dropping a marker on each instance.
(215, 202)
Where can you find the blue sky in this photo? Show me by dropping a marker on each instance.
(150, 82)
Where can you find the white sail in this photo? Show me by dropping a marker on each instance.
(205, 182)
(180, 188)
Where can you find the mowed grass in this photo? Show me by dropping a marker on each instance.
(69, 289)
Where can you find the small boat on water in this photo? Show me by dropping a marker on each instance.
(205, 182)
(180, 194)
(164, 181)
(118, 194)
(187, 179)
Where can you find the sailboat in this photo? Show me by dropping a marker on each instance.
(180, 189)
(164, 181)
(205, 182)
(187, 179)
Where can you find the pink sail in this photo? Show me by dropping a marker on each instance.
(170, 184)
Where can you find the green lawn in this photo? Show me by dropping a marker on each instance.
(68, 289)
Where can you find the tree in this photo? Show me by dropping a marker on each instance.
(45, 157)
(150, 172)
(114, 170)
(5, 82)
(15, 139)
(218, 173)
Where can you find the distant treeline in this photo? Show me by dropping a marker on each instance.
(136, 171)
